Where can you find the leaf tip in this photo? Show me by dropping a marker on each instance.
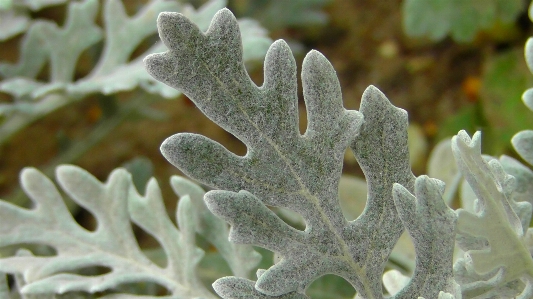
(169, 148)
(317, 61)
(28, 172)
(224, 23)
(373, 98)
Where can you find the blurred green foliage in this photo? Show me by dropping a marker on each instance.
(505, 78)
(275, 15)
(461, 19)
(498, 113)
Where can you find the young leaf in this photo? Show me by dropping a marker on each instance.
(505, 255)
(111, 245)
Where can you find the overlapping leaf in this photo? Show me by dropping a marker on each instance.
(426, 217)
(242, 259)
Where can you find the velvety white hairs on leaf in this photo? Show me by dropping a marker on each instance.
(300, 172)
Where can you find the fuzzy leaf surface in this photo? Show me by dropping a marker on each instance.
(426, 216)
(282, 167)
(381, 149)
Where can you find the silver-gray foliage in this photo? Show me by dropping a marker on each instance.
(286, 169)
(114, 204)
(300, 172)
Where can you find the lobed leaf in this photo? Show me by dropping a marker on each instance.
(61, 47)
(298, 172)
(384, 161)
(282, 167)
(111, 245)
(425, 217)
(505, 256)
(65, 45)
(242, 259)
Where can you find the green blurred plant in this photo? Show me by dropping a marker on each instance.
(460, 19)
(276, 15)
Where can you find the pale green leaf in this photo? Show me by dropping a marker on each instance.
(242, 259)
(39, 4)
(523, 144)
(111, 245)
(20, 87)
(12, 23)
(441, 165)
(394, 281)
(524, 179)
(505, 256)
(66, 44)
(33, 54)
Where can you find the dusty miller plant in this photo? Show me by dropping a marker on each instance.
(282, 168)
